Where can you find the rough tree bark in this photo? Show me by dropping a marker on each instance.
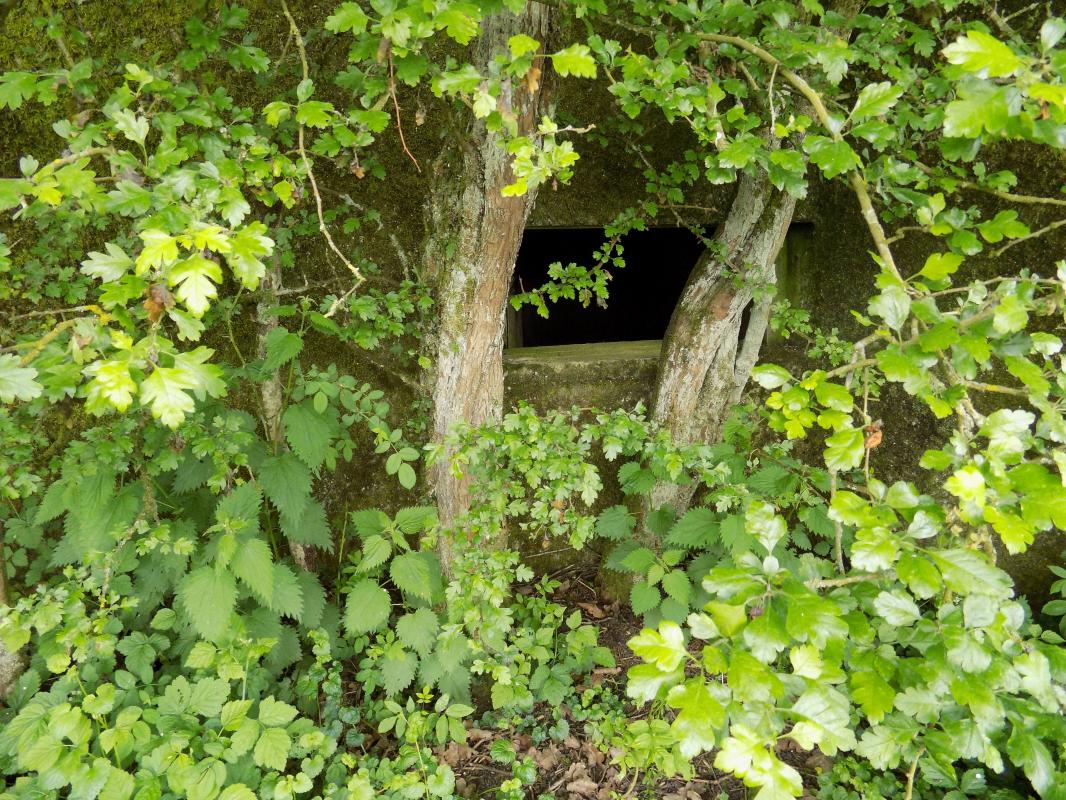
(474, 235)
(705, 364)
(271, 395)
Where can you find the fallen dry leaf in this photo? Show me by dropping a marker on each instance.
(585, 787)
(592, 610)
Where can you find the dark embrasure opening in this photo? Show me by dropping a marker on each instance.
(642, 295)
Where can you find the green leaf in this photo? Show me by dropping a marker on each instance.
(209, 598)
(287, 482)
(418, 630)
(15, 87)
(16, 381)
(575, 60)
(1033, 757)
(405, 474)
(195, 278)
(253, 563)
(272, 749)
(308, 432)
(237, 791)
(275, 714)
(348, 18)
(770, 376)
(247, 247)
(130, 125)
(119, 785)
(873, 693)
(875, 100)
(762, 521)
(665, 647)
(159, 250)
(1010, 315)
(315, 114)
(676, 585)
(897, 609)
(240, 506)
(367, 608)
(520, 44)
(967, 571)
(164, 391)
(832, 157)
(646, 681)
(410, 572)
(697, 527)
(844, 449)
(397, 669)
(1004, 225)
(288, 596)
(109, 266)
(700, 714)
(982, 54)
(460, 21)
(281, 348)
(893, 305)
(940, 265)
(643, 598)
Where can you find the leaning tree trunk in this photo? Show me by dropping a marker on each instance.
(705, 363)
(474, 235)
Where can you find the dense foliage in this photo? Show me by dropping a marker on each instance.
(199, 616)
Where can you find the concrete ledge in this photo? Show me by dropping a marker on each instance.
(606, 375)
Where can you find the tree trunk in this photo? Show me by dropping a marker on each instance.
(474, 235)
(270, 390)
(705, 364)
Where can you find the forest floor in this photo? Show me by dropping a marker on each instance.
(574, 767)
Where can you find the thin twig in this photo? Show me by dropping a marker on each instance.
(1034, 235)
(910, 776)
(1023, 199)
(322, 227)
(399, 121)
(833, 583)
(858, 182)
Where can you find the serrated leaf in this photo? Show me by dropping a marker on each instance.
(697, 527)
(982, 54)
(287, 482)
(308, 433)
(676, 585)
(275, 714)
(253, 563)
(643, 598)
(209, 598)
(367, 607)
(875, 100)
(397, 670)
(897, 609)
(418, 630)
(410, 572)
(288, 596)
(844, 449)
(347, 18)
(575, 60)
(272, 749)
(16, 381)
(282, 346)
(873, 694)
(109, 266)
